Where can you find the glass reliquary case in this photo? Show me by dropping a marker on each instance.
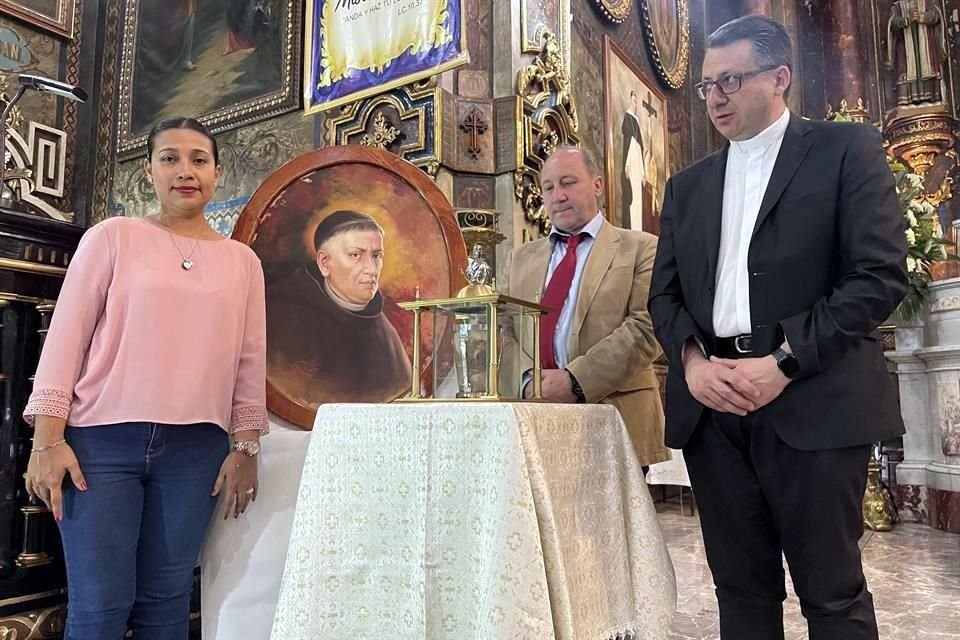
(479, 335)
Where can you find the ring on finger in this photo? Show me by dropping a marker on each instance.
(250, 491)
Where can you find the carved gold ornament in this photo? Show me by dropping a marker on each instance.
(549, 119)
(858, 113)
(616, 11)
(383, 133)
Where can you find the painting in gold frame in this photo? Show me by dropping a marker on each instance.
(228, 64)
(56, 16)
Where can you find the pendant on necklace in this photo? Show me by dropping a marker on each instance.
(187, 264)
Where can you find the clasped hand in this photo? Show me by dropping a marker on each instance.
(554, 387)
(735, 386)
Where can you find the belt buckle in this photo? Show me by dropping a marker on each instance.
(743, 344)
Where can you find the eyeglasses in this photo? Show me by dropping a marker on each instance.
(730, 83)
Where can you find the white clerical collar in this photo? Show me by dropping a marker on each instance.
(340, 302)
(770, 135)
(592, 228)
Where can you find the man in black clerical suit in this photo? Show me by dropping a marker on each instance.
(779, 256)
(327, 336)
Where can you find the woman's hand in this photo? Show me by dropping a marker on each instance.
(238, 480)
(45, 473)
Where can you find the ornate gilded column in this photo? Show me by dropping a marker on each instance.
(844, 74)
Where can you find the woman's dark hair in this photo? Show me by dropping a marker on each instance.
(181, 123)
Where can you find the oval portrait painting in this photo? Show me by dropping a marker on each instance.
(345, 233)
(668, 34)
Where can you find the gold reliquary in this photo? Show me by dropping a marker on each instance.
(476, 343)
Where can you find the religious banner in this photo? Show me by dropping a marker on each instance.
(355, 48)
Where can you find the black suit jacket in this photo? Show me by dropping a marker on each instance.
(827, 266)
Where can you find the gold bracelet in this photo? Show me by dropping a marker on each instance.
(49, 446)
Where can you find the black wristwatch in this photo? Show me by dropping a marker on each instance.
(787, 363)
(576, 389)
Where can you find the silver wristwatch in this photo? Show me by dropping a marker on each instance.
(246, 447)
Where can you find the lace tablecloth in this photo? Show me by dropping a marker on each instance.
(492, 521)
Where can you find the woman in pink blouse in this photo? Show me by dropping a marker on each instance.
(150, 396)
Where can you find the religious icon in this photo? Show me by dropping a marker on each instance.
(326, 325)
(345, 233)
(915, 50)
(668, 35)
(636, 129)
(223, 62)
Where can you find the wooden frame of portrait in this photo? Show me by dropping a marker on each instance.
(60, 21)
(286, 98)
(259, 208)
(614, 55)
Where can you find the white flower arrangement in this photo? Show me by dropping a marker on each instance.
(925, 241)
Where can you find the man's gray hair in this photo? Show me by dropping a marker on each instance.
(588, 158)
(770, 40)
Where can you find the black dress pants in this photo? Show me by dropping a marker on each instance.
(758, 497)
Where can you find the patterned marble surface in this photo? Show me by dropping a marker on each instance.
(913, 572)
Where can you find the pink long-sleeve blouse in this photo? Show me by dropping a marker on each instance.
(136, 338)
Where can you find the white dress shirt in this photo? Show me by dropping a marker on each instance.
(561, 338)
(749, 166)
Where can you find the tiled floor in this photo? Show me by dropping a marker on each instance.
(913, 572)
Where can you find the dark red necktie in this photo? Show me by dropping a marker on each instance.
(553, 298)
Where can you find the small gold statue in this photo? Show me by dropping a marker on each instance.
(879, 511)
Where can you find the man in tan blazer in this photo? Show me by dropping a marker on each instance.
(598, 344)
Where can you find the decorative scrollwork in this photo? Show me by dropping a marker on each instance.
(15, 118)
(37, 167)
(549, 120)
(546, 81)
(925, 143)
(616, 11)
(859, 113)
(480, 226)
(412, 111)
(383, 133)
(46, 624)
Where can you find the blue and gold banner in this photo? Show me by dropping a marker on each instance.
(355, 48)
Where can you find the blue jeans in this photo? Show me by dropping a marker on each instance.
(132, 539)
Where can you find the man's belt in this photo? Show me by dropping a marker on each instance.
(734, 347)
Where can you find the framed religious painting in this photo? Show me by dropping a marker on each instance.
(344, 234)
(667, 27)
(228, 64)
(635, 122)
(56, 16)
